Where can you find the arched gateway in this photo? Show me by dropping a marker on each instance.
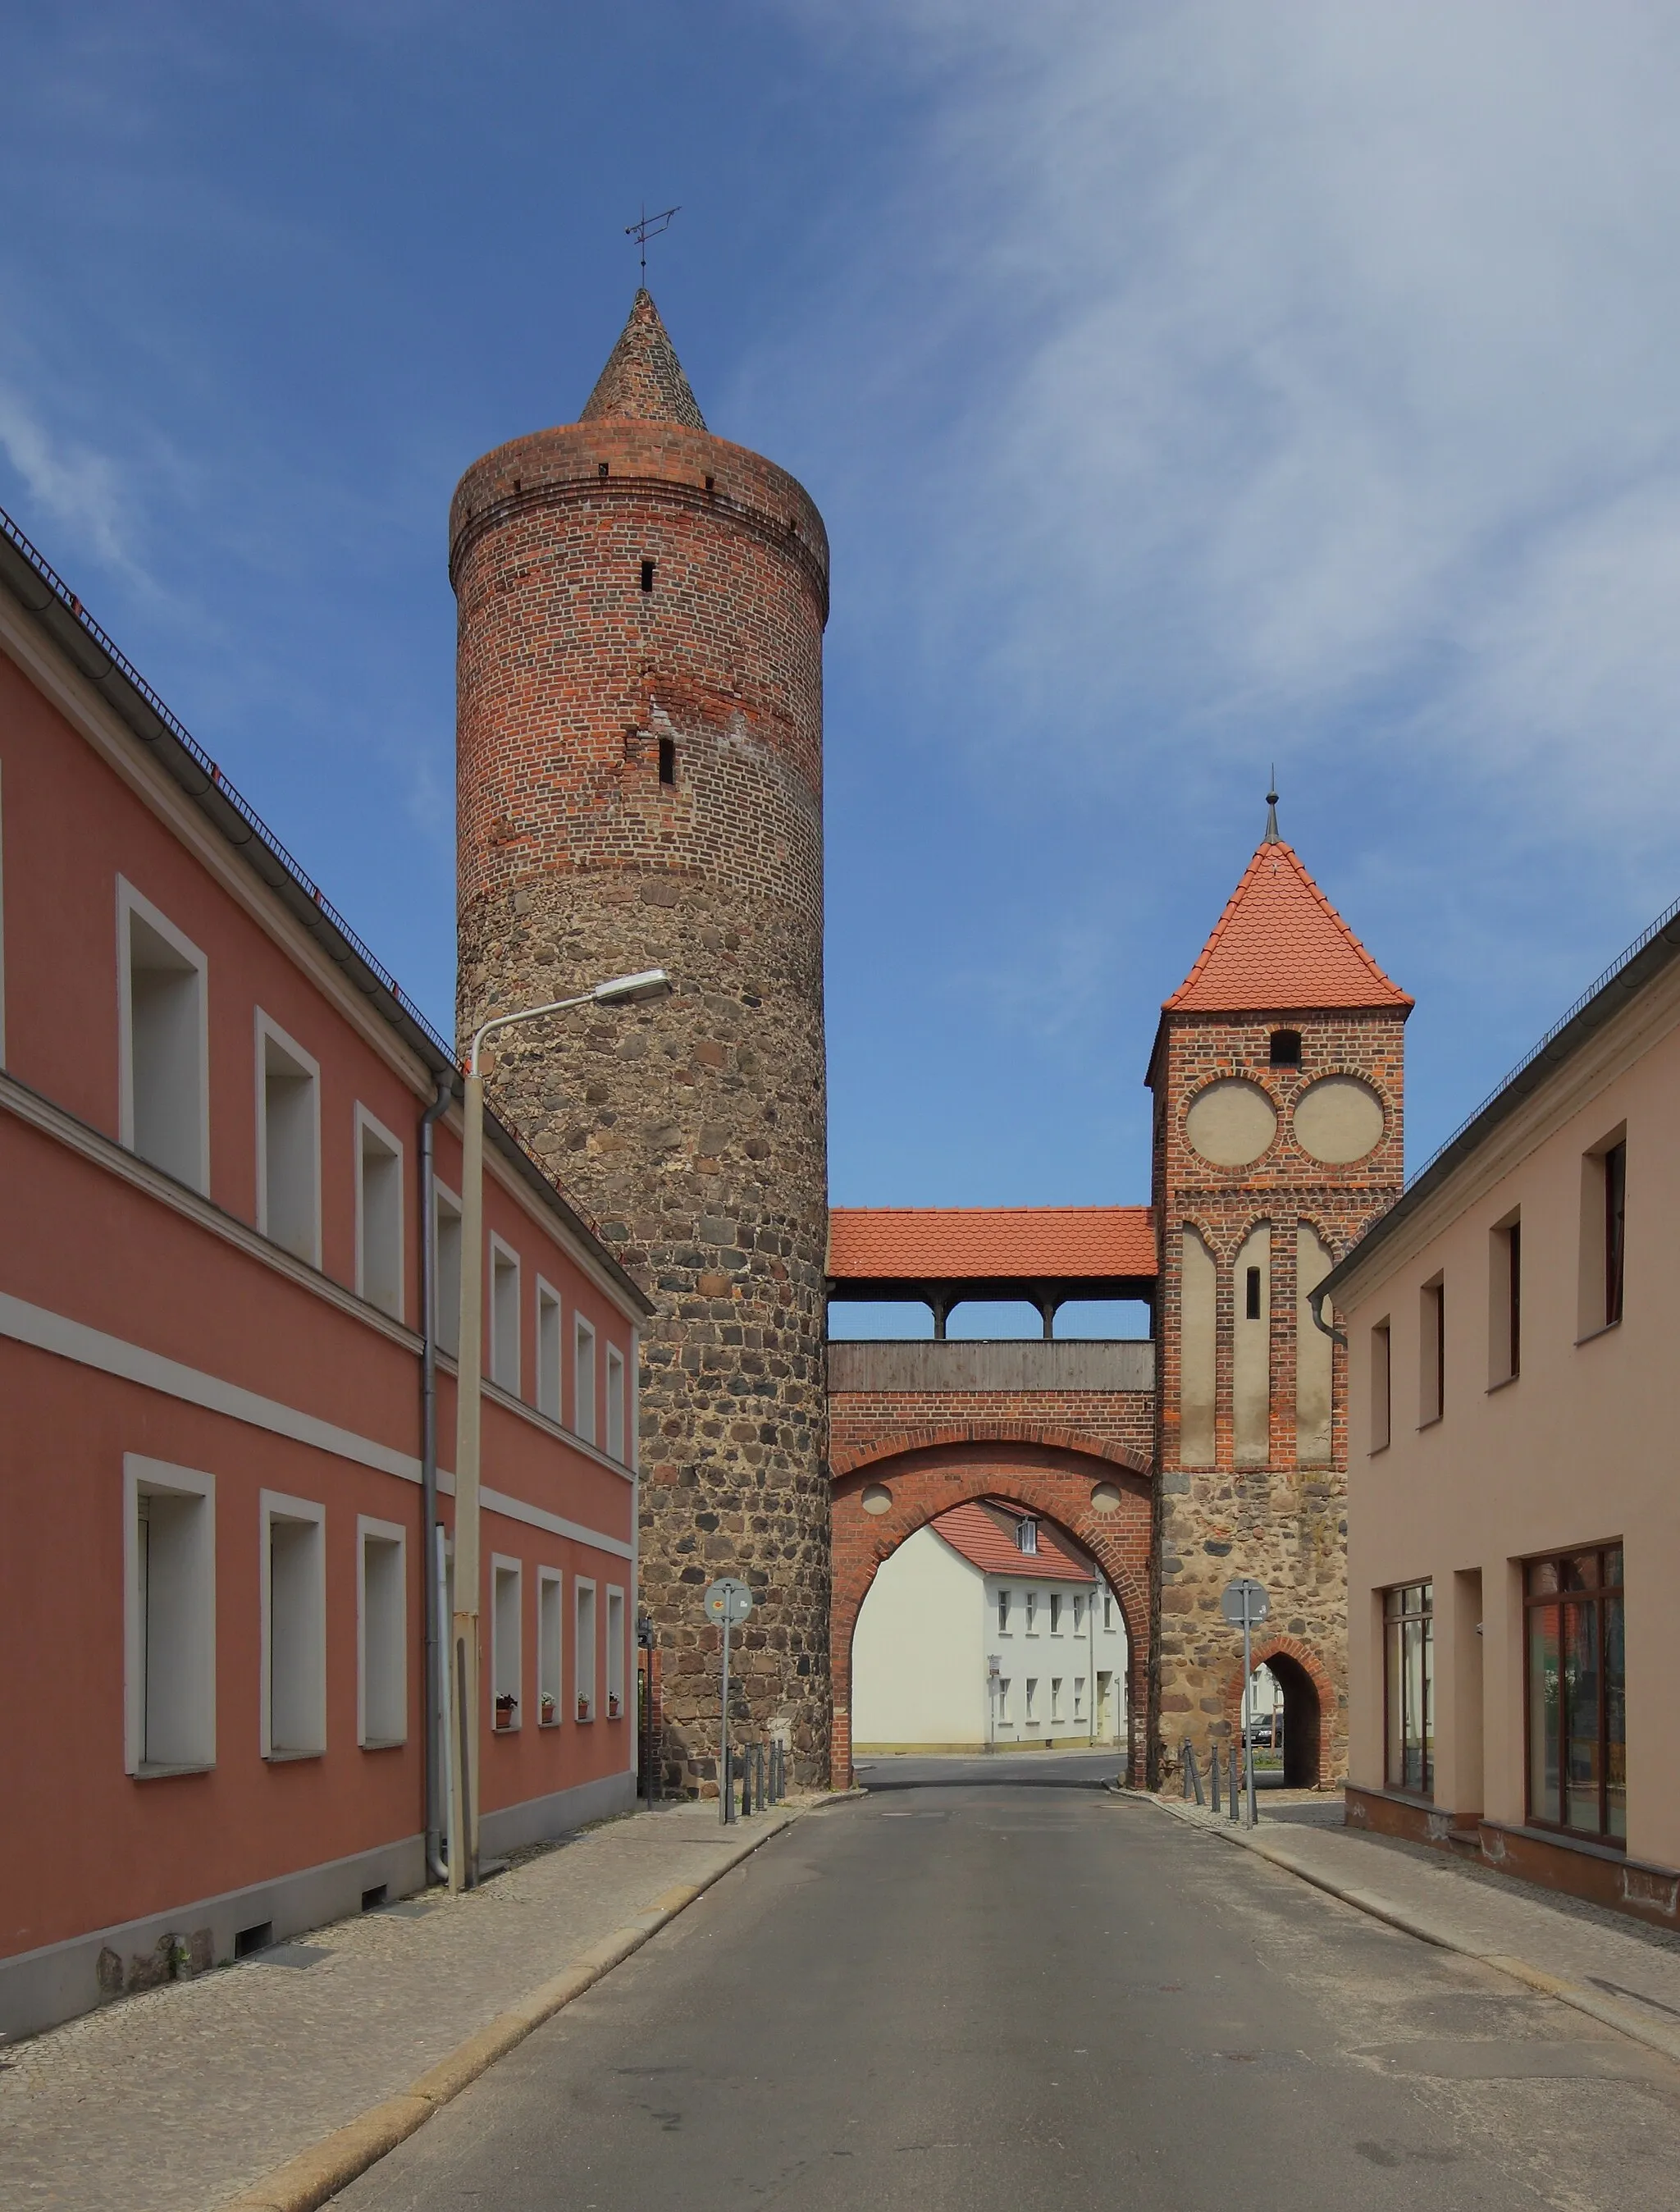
(1099, 1493)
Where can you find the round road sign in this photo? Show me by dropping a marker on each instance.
(1245, 1602)
(728, 1600)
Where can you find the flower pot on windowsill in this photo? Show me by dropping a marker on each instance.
(613, 1709)
(505, 1711)
(582, 1709)
(550, 1712)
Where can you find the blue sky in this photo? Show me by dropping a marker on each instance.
(1186, 387)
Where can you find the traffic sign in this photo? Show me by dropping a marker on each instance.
(1245, 1603)
(728, 1600)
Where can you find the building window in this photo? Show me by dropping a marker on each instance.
(1107, 1610)
(1432, 1352)
(164, 1042)
(1505, 1302)
(1003, 1700)
(582, 1656)
(1055, 1699)
(550, 1601)
(1381, 1375)
(1409, 1667)
(1577, 1693)
(1603, 1234)
(169, 1617)
(668, 760)
(1079, 1616)
(1032, 1699)
(1251, 1295)
(382, 1636)
(446, 1271)
(1032, 1613)
(288, 1143)
(648, 576)
(614, 1655)
(583, 1380)
(1055, 1613)
(1286, 1048)
(1003, 1613)
(1079, 1697)
(504, 1317)
(1027, 1536)
(506, 1580)
(615, 1402)
(378, 1215)
(548, 1350)
(294, 1627)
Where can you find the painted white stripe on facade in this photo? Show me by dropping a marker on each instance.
(132, 1363)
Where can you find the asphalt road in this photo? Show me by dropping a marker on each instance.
(993, 1986)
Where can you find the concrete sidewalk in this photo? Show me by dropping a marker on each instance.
(1614, 1969)
(184, 2098)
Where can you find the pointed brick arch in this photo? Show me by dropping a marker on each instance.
(1302, 1663)
(1054, 1471)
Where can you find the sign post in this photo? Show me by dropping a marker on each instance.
(1245, 1605)
(728, 1602)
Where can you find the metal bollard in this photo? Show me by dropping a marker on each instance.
(1213, 1769)
(1235, 1813)
(1191, 1773)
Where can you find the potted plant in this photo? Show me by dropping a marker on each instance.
(504, 1705)
(549, 1710)
(583, 1707)
(612, 1705)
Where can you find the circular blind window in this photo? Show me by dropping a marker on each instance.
(1231, 1123)
(1339, 1119)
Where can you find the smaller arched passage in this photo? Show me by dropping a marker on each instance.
(1098, 1491)
(1309, 1708)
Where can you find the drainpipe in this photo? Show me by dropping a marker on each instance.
(429, 1471)
(1315, 1307)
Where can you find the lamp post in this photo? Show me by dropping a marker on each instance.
(463, 1715)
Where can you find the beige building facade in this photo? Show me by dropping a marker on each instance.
(1513, 1542)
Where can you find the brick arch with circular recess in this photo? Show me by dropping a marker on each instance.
(1299, 1660)
(1055, 1473)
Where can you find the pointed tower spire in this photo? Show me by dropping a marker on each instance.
(643, 380)
(1273, 837)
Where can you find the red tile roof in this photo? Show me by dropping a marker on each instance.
(1279, 945)
(983, 1534)
(954, 1243)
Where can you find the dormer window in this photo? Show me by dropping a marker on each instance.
(1027, 1535)
(1286, 1048)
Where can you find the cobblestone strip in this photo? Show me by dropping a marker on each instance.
(1388, 1893)
(269, 2085)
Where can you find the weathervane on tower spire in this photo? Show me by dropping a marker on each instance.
(1273, 836)
(649, 226)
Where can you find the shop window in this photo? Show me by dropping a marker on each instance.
(446, 1271)
(1409, 1670)
(288, 1143)
(614, 1655)
(169, 1546)
(504, 1317)
(382, 1636)
(615, 1402)
(1576, 1671)
(550, 1601)
(164, 1042)
(583, 1380)
(583, 1656)
(505, 1581)
(378, 1215)
(294, 1627)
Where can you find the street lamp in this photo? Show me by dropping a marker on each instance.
(461, 1718)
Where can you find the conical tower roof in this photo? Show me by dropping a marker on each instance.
(643, 380)
(1281, 945)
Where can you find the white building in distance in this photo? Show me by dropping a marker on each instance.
(988, 1629)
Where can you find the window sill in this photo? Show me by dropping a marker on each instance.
(1592, 1335)
(284, 1758)
(1504, 1382)
(162, 1771)
(1376, 1451)
(555, 1723)
(383, 1742)
(1433, 1422)
(1572, 1840)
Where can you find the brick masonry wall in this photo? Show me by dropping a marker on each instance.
(1283, 1523)
(860, 1424)
(694, 1129)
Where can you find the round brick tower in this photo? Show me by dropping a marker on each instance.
(640, 784)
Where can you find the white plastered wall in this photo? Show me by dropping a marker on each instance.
(918, 1652)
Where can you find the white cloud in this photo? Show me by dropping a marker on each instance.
(67, 481)
(1273, 375)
